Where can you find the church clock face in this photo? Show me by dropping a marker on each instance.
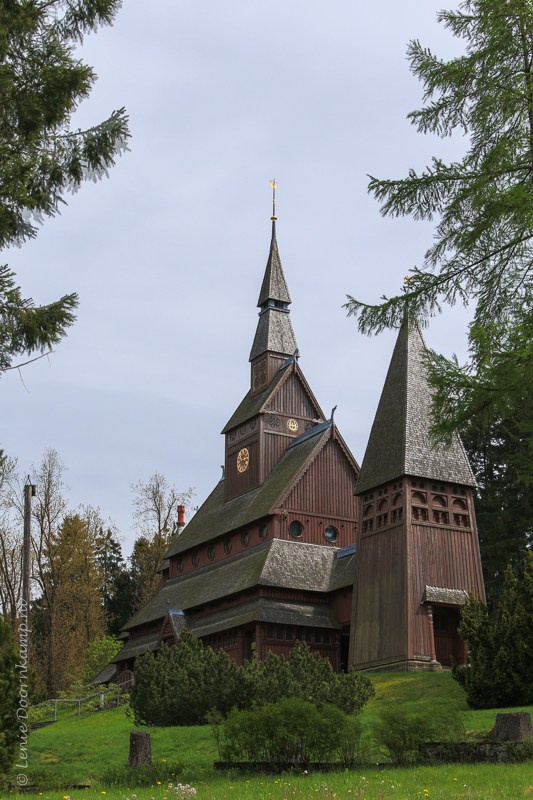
(243, 459)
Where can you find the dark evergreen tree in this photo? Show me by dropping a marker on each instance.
(42, 81)
(503, 501)
(499, 667)
(117, 583)
(482, 252)
(10, 685)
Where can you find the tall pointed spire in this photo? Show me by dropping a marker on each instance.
(274, 330)
(399, 442)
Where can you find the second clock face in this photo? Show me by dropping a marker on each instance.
(243, 459)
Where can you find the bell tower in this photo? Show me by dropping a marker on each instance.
(417, 545)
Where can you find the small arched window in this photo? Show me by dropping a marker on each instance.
(459, 504)
(440, 501)
(369, 509)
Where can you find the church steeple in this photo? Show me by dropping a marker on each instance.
(400, 441)
(274, 335)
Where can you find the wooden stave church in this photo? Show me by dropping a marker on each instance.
(269, 556)
(393, 612)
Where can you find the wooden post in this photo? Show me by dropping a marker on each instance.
(29, 492)
(434, 664)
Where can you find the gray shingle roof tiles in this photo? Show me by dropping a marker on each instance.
(275, 333)
(277, 563)
(399, 442)
(279, 612)
(274, 286)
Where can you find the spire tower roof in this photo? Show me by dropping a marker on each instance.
(399, 442)
(274, 285)
(274, 330)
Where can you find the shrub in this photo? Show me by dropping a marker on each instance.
(181, 686)
(290, 731)
(401, 732)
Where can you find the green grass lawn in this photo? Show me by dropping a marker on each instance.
(94, 747)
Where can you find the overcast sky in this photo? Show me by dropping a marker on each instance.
(168, 254)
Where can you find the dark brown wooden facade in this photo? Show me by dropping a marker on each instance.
(417, 545)
(268, 559)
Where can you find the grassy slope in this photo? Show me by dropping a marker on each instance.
(82, 749)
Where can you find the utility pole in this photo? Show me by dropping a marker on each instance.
(30, 490)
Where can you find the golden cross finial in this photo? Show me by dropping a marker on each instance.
(274, 185)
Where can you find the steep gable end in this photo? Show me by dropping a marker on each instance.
(293, 396)
(327, 485)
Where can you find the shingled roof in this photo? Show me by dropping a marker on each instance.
(274, 286)
(277, 562)
(252, 405)
(399, 442)
(274, 330)
(215, 517)
(278, 612)
(275, 333)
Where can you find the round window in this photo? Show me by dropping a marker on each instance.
(195, 558)
(211, 552)
(296, 528)
(331, 533)
(180, 565)
(263, 530)
(245, 538)
(227, 546)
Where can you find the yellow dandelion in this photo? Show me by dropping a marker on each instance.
(159, 783)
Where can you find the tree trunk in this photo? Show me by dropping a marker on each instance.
(140, 749)
(513, 727)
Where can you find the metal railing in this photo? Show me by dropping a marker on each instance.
(118, 688)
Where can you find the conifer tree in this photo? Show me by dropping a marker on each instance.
(499, 666)
(10, 732)
(42, 157)
(482, 252)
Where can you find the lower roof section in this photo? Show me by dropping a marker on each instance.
(137, 646)
(277, 563)
(278, 612)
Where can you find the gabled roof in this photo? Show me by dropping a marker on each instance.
(274, 286)
(276, 562)
(215, 517)
(255, 404)
(252, 405)
(399, 442)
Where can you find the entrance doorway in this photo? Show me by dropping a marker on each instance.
(448, 643)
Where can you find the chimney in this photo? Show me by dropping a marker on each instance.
(181, 517)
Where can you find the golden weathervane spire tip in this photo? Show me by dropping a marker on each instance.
(274, 185)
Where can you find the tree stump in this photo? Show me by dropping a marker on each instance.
(513, 727)
(140, 749)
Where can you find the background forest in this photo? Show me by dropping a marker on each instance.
(83, 588)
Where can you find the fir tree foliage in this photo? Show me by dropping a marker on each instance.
(10, 726)
(499, 667)
(483, 244)
(42, 157)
